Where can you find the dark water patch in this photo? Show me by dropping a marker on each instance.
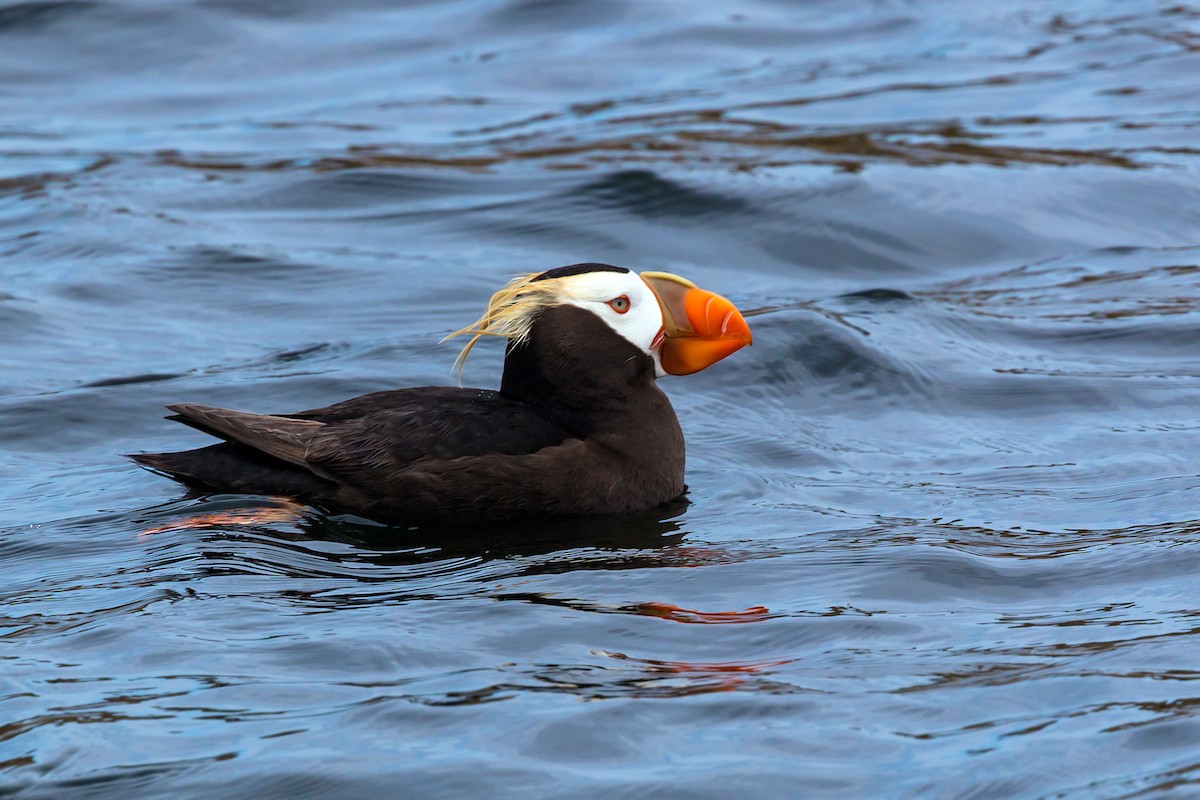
(274, 9)
(529, 225)
(646, 194)
(567, 14)
(356, 188)
(22, 17)
(827, 354)
(149, 377)
(211, 263)
(879, 295)
(18, 318)
(25, 420)
(838, 357)
(238, 284)
(799, 249)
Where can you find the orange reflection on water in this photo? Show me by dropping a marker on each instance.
(285, 511)
(691, 616)
(703, 677)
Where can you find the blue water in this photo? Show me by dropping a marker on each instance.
(942, 534)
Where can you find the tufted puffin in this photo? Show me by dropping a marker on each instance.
(578, 426)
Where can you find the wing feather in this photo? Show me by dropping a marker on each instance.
(285, 438)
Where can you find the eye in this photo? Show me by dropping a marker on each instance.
(619, 304)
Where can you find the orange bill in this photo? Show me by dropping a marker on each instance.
(700, 328)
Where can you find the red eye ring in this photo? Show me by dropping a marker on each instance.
(620, 304)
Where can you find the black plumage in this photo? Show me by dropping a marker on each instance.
(578, 426)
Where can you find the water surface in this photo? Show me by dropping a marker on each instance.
(942, 533)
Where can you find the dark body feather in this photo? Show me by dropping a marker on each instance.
(579, 426)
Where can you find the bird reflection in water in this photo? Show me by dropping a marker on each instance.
(649, 539)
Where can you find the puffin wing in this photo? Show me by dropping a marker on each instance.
(351, 443)
(578, 476)
(394, 429)
(284, 438)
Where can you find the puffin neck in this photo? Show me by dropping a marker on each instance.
(576, 371)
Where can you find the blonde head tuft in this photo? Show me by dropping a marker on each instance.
(510, 312)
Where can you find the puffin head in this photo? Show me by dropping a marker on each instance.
(680, 327)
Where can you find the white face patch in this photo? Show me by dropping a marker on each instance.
(637, 317)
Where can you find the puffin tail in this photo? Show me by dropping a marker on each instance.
(228, 466)
(180, 466)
